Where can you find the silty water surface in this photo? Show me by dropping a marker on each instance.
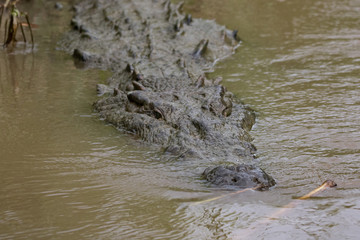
(66, 175)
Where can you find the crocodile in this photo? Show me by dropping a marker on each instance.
(159, 90)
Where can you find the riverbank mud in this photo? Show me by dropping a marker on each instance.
(159, 91)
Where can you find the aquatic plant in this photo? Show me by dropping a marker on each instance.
(13, 20)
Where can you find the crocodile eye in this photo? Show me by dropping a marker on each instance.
(158, 114)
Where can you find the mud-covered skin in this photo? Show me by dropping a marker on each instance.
(159, 91)
(241, 175)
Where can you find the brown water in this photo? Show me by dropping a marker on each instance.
(64, 174)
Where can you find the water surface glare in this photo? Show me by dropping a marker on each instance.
(64, 174)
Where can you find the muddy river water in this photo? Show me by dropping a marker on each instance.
(64, 174)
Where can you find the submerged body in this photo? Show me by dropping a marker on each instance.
(159, 90)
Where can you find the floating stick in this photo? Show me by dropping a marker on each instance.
(325, 185)
(225, 195)
(246, 235)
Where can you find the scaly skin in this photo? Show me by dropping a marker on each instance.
(159, 91)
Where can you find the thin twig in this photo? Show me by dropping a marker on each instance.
(1, 14)
(31, 34)
(22, 31)
(5, 33)
(247, 234)
(225, 195)
(6, 3)
(11, 38)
